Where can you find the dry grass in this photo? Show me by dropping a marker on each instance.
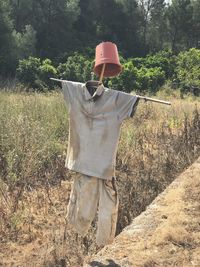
(154, 147)
(166, 234)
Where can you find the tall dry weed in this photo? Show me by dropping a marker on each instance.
(154, 149)
(156, 145)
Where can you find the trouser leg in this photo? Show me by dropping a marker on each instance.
(108, 211)
(83, 203)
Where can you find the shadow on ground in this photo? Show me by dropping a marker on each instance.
(111, 263)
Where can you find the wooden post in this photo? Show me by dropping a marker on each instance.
(102, 73)
(57, 80)
(154, 100)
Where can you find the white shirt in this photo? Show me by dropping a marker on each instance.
(94, 127)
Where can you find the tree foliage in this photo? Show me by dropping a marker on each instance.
(76, 68)
(58, 29)
(6, 39)
(35, 73)
(142, 75)
(188, 70)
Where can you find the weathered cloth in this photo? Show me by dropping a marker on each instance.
(87, 194)
(95, 122)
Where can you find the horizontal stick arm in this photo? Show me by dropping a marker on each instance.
(54, 79)
(154, 100)
(140, 97)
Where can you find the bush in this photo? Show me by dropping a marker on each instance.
(139, 74)
(163, 60)
(150, 79)
(76, 68)
(36, 73)
(127, 80)
(188, 71)
(28, 70)
(46, 71)
(138, 79)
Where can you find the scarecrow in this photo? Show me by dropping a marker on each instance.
(95, 117)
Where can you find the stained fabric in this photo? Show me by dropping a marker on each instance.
(89, 194)
(95, 119)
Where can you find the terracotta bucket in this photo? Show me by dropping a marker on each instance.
(106, 53)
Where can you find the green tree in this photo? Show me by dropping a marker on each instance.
(118, 22)
(110, 15)
(131, 41)
(22, 13)
(145, 7)
(25, 42)
(180, 24)
(85, 25)
(7, 59)
(196, 23)
(52, 21)
(188, 70)
(53, 24)
(157, 26)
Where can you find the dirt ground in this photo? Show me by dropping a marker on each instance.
(166, 234)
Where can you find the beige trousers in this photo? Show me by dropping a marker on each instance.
(89, 194)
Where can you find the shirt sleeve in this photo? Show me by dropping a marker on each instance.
(126, 105)
(70, 91)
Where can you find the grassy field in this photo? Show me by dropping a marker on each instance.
(156, 145)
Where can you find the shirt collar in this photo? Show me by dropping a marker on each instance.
(98, 91)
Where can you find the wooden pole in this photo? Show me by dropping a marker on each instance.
(154, 100)
(102, 73)
(54, 79)
(141, 97)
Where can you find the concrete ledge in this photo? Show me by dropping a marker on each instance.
(161, 234)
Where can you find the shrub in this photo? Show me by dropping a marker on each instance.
(150, 79)
(28, 70)
(127, 80)
(36, 73)
(46, 71)
(76, 68)
(139, 74)
(188, 71)
(163, 60)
